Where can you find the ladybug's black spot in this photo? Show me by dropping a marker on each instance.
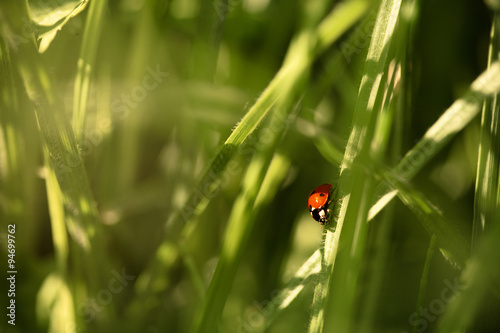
(322, 194)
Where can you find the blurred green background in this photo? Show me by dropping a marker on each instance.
(171, 79)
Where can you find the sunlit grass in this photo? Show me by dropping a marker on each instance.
(156, 159)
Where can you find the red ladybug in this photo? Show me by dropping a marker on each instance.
(318, 203)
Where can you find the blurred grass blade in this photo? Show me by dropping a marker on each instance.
(355, 186)
(280, 302)
(86, 64)
(55, 304)
(18, 157)
(451, 243)
(240, 225)
(479, 277)
(488, 165)
(423, 280)
(62, 151)
(58, 227)
(487, 190)
(61, 307)
(344, 15)
(459, 115)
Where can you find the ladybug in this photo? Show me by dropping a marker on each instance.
(318, 203)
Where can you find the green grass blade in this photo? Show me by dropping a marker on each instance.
(56, 210)
(423, 279)
(379, 267)
(345, 14)
(279, 303)
(455, 118)
(18, 158)
(86, 64)
(63, 155)
(240, 225)
(450, 241)
(487, 179)
(487, 190)
(55, 304)
(355, 186)
(62, 299)
(478, 278)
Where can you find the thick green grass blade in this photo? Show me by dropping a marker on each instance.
(18, 155)
(355, 186)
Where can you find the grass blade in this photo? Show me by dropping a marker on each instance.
(487, 191)
(63, 154)
(455, 118)
(240, 225)
(354, 184)
(487, 179)
(309, 270)
(450, 241)
(479, 277)
(423, 280)
(86, 64)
